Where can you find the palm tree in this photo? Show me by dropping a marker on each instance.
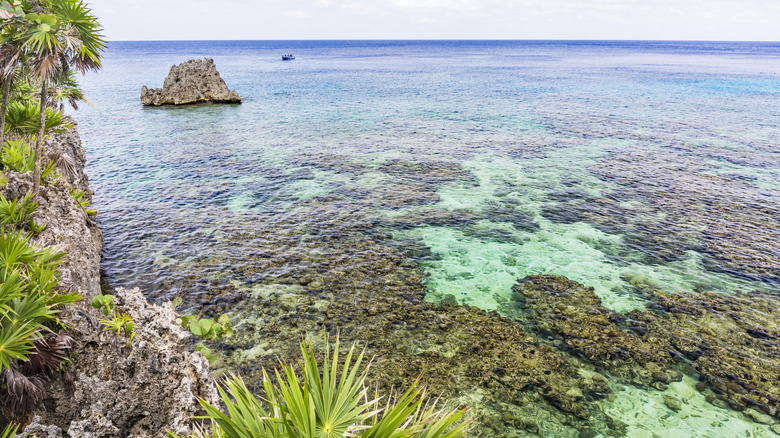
(10, 57)
(67, 89)
(59, 35)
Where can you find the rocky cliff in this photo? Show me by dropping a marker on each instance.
(194, 81)
(120, 390)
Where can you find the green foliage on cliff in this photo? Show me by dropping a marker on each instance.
(16, 212)
(29, 299)
(327, 404)
(114, 320)
(21, 118)
(83, 201)
(50, 38)
(18, 156)
(42, 42)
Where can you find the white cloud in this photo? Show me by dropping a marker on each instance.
(468, 19)
(454, 5)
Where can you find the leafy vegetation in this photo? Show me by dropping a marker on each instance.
(16, 212)
(83, 201)
(114, 321)
(10, 431)
(30, 299)
(327, 404)
(17, 156)
(42, 43)
(67, 89)
(22, 120)
(206, 329)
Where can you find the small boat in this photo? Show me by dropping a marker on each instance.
(288, 57)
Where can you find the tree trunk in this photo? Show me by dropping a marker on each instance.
(39, 140)
(6, 94)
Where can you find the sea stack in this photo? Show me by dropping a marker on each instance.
(194, 81)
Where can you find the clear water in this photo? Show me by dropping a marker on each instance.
(528, 128)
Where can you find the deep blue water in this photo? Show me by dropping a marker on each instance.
(537, 127)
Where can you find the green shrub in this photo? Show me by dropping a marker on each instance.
(29, 299)
(18, 156)
(22, 118)
(114, 321)
(328, 405)
(83, 202)
(206, 329)
(10, 431)
(16, 212)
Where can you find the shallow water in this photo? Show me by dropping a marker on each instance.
(476, 163)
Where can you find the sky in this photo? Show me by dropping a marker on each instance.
(720, 20)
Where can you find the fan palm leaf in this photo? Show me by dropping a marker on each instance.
(330, 403)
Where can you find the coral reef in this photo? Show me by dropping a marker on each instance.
(194, 81)
(668, 204)
(731, 341)
(326, 269)
(510, 382)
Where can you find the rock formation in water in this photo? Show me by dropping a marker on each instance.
(138, 390)
(194, 81)
(729, 340)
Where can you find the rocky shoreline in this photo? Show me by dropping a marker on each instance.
(137, 390)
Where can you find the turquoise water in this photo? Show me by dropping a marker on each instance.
(613, 164)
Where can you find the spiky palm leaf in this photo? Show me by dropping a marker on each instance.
(22, 119)
(64, 162)
(48, 352)
(67, 89)
(332, 403)
(17, 156)
(29, 297)
(16, 212)
(14, 251)
(10, 431)
(58, 35)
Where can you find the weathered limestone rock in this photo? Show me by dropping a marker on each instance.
(194, 81)
(138, 390)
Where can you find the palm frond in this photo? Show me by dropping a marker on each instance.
(22, 393)
(47, 353)
(10, 431)
(329, 403)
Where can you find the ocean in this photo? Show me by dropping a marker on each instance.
(367, 176)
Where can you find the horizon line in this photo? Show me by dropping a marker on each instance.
(459, 39)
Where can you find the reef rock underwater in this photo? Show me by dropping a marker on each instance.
(544, 364)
